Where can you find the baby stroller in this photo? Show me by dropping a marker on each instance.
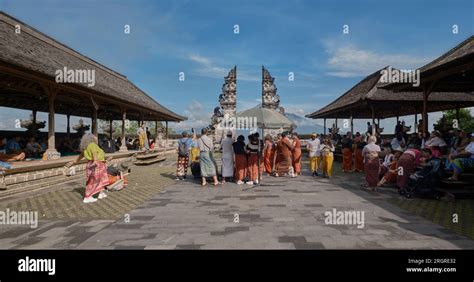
(425, 183)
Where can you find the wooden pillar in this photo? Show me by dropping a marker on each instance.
(111, 129)
(94, 121)
(68, 128)
(123, 146)
(325, 127)
(352, 125)
(156, 134)
(166, 134)
(398, 118)
(458, 117)
(35, 131)
(373, 115)
(425, 112)
(416, 123)
(51, 152)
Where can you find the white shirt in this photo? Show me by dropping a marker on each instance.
(435, 142)
(470, 148)
(314, 147)
(387, 160)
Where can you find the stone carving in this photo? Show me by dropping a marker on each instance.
(270, 99)
(227, 104)
(81, 128)
(32, 126)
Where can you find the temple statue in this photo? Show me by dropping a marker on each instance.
(227, 105)
(32, 126)
(81, 128)
(270, 99)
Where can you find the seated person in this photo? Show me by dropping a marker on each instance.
(436, 144)
(462, 161)
(33, 148)
(108, 145)
(9, 157)
(13, 146)
(387, 160)
(390, 175)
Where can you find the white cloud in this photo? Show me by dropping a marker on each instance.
(197, 116)
(350, 61)
(208, 68)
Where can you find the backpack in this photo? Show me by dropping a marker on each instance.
(182, 148)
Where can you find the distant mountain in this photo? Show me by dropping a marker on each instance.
(304, 125)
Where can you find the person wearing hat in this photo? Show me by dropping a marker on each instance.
(314, 153)
(227, 157)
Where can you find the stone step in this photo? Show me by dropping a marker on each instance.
(148, 156)
(150, 161)
(37, 185)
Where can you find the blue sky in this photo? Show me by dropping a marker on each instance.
(197, 38)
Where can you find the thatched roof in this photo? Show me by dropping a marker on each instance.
(33, 57)
(367, 94)
(452, 71)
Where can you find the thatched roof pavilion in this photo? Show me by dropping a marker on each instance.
(448, 80)
(29, 60)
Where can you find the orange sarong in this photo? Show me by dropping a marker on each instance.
(252, 167)
(268, 160)
(359, 160)
(240, 166)
(346, 159)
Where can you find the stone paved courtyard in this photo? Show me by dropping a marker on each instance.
(282, 213)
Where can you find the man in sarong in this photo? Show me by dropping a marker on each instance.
(284, 148)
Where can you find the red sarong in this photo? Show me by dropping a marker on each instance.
(407, 165)
(372, 170)
(268, 160)
(359, 160)
(97, 178)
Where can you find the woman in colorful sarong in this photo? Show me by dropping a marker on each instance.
(371, 163)
(96, 169)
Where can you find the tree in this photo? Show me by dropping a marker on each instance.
(451, 120)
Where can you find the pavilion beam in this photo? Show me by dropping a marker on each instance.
(416, 123)
(426, 94)
(352, 125)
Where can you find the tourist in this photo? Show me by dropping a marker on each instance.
(96, 169)
(184, 146)
(283, 155)
(4, 157)
(462, 161)
(388, 159)
(314, 153)
(419, 126)
(206, 158)
(227, 157)
(108, 145)
(33, 148)
(371, 163)
(327, 153)
(296, 154)
(252, 160)
(414, 140)
(142, 137)
(240, 159)
(268, 154)
(398, 142)
(346, 146)
(390, 175)
(358, 157)
(370, 129)
(408, 161)
(436, 144)
(13, 146)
